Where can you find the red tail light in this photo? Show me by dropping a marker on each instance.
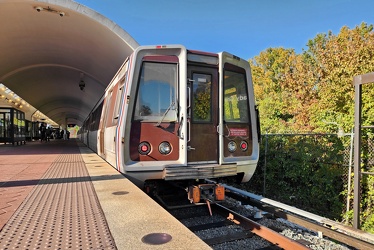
(244, 146)
(144, 148)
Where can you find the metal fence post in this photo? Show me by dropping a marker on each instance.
(357, 82)
(357, 154)
(266, 150)
(349, 173)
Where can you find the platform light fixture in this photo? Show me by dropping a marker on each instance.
(49, 9)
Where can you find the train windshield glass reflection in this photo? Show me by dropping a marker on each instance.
(236, 98)
(156, 97)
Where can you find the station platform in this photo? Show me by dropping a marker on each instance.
(61, 195)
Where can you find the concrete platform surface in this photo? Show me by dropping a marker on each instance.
(61, 195)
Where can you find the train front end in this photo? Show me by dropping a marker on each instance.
(190, 116)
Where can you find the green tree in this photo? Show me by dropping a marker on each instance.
(335, 60)
(269, 71)
(307, 92)
(314, 92)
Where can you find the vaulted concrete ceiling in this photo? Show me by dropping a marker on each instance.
(48, 46)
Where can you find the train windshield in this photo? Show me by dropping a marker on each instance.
(156, 96)
(236, 98)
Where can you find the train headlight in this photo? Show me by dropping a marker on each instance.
(144, 148)
(164, 148)
(231, 146)
(244, 146)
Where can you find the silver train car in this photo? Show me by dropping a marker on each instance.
(177, 115)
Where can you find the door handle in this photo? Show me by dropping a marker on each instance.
(188, 130)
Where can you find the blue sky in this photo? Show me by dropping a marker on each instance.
(241, 27)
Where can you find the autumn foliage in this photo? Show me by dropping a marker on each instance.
(313, 92)
(306, 92)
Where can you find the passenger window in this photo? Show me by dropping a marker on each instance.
(108, 100)
(117, 106)
(235, 97)
(122, 80)
(156, 97)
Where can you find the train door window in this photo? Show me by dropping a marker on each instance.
(235, 98)
(202, 103)
(156, 97)
(236, 113)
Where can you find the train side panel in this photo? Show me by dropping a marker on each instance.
(111, 116)
(92, 140)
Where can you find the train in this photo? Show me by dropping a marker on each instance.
(178, 116)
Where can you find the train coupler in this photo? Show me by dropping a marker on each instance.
(206, 192)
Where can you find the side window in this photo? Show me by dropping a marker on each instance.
(117, 106)
(235, 97)
(95, 118)
(108, 101)
(156, 96)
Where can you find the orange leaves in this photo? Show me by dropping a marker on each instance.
(303, 88)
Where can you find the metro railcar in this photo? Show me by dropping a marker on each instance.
(177, 115)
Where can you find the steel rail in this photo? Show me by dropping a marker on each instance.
(347, 235)
(260, 230)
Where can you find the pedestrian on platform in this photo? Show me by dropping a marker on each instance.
(42, 130)
(48, 133)
(65, 134)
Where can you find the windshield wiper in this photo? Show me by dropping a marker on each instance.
(166, 111)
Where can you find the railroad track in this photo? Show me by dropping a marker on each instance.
(225, 226)
(338, 232)
(231, 225)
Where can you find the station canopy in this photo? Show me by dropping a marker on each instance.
(49, 49)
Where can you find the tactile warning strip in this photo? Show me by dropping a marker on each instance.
(61, 212)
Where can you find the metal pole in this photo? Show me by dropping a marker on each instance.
(32, 125)
(357, 82)
(357, 155)
(266, 150)
(349, 173)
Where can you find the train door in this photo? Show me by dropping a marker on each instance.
(103, 122)
(107, 131)
(202, 86)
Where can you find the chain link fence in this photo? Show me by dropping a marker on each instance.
(314, 172)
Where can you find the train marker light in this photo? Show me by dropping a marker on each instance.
(144, 148)
(244, 145)
(231, 146)
(164, 148)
